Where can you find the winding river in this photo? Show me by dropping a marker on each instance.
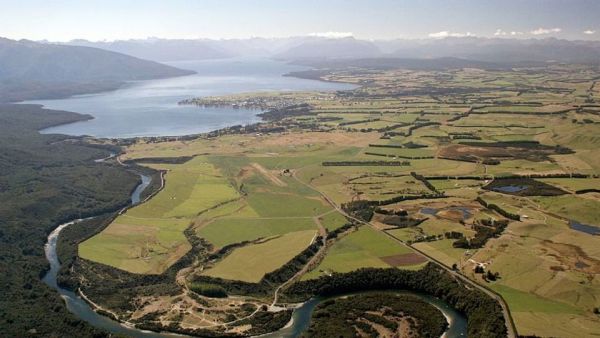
(300, 319)
(457, 322)
(74, 302)
(135, 195)
(118, 114)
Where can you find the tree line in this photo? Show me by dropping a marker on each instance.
(484, 314)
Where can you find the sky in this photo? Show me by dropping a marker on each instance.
(63, 20)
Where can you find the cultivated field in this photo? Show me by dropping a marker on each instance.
(149, 237)
(366, 248)
(250, 263)
(493, 170)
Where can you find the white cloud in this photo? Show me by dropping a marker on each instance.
(500, 32)
(447, 34)
(332, 35)
(542, 31)
(441, 34)
(589, 32)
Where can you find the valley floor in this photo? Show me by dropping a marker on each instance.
(492, 174)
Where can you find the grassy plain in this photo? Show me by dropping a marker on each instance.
(148, 238)
(225, 231)
(360, 249)
(443, 251)
(485, 124)
(250, 263)
(573, 184)
(333, 220)
(580, 208)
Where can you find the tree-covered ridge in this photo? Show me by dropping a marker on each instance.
(45, 180)
(376, 314)
(485, 318)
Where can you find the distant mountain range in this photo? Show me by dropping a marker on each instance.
(497, 49)
(32, 70)
(331, 48)
(312, 47)
(321, 66)
(35, 70)
(162, 50)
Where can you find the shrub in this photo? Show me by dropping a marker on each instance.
(208, 290)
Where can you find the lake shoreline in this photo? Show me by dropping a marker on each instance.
(150, 108)
(144, 333)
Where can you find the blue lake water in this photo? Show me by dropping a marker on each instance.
(149, 108)
(588, 229)
(510, 188)
(466, 212)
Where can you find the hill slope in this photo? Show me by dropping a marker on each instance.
(496, 49)
(331, 48)
(36, 70)
(162, 49)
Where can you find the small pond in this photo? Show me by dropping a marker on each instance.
(429, 211)
(588, 229)
(466, 212)
(510, 188)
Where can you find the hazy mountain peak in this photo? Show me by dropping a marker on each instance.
(36, 69)
(493, 49)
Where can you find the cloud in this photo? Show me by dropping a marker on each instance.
(447, 34)
(589, 32)
(542, 31)
(500, 32)
(332, 35)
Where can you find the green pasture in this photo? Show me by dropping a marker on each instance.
(250, 263)
(225, 231)
(360, 249)
(333, 220)
(573, 183)
(149, 237)
(581, 209)
(520, 301)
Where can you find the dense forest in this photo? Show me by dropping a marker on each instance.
(46, 180)
(484, 314)
(376, 314)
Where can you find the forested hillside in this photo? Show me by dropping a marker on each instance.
(45, 180)
(32, 70)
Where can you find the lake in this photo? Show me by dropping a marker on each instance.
(149, 108)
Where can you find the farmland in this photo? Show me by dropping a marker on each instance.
(480, 171)
(149, 238)
(251, 263)
(363, 248)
